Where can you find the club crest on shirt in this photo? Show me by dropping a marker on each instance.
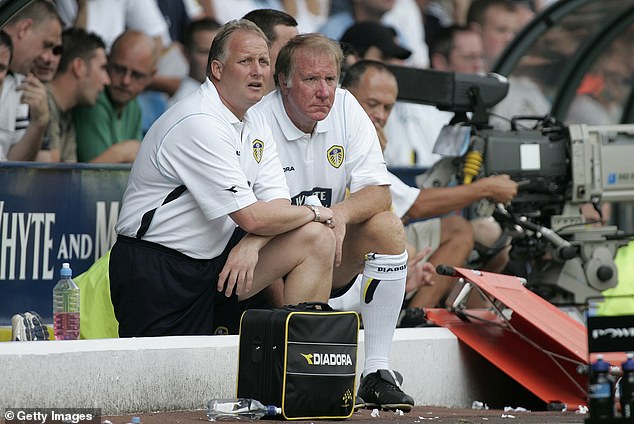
(258, 149)
(335, 155)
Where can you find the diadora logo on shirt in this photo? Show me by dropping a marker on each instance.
(327, 358)
(258, 149)
(335, 156)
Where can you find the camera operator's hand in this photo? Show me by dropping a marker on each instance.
(500, 188)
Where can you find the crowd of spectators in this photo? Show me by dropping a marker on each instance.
(181, 32)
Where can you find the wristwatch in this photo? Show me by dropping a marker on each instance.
(315, 210)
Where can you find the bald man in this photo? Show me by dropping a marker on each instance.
(110, 131)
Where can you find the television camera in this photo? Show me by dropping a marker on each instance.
(558, 168)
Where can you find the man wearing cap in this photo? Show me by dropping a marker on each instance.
(403, 15)
(375, 41)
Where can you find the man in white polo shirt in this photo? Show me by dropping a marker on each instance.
(206, 174)
(329, 148)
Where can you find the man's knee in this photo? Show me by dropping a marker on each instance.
(455, 227)
(486, 231)
(387, 229)
(317, 237)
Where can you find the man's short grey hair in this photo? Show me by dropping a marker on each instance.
(317, 43)
(218, 50)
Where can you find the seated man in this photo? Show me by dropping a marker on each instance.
(207, 210)
(198, 37)
(450, 237)
(35, 33)
(279, 27)
(81, 77)
(329, 148)
(110, 131)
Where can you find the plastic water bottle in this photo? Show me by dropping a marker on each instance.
(600, 393)
(66, 306)
(239, 409)
(627, 387)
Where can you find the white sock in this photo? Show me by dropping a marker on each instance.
(381, 300)
(349, 301)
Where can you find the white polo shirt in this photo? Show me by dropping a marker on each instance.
(342, 152)
(403, 195)
(226, 164)
(14, 116)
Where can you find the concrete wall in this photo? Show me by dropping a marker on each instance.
(175, 373)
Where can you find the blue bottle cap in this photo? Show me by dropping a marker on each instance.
(628, 365)
(600, 365)
(66, 271)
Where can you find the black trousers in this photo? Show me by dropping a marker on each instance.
(157, 291)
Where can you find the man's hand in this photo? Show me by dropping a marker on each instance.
(419, 273)
(500, 188)
(238, 270)
(339, 222)
(34, 95)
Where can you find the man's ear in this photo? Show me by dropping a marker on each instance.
(281, 79)
(216, 69)
(23, 27)
(78, 67)
(438, 61)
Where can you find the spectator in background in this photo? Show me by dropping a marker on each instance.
(407, 18)
(434, 16)
(403, 15)
(177, 17)
(604, 89)
(375, 41)
(525, 96)
(198, 38)
(279, 27)
(359, 11)
(44, 68)
(415, 132)
(229, 10)
(497, 22)
(82, 75)
(109, 19)
(414, 128)
(525, 11)
(457, 49)
(6, 51)
(110, 131)
(310, 14)
(35, 31)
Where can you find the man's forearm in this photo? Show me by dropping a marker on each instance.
(365, 203)
(28, 146)
(276, 217)
(432, 202)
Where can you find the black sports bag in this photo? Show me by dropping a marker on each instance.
(300, 358)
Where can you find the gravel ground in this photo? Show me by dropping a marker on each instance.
(420, 414)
